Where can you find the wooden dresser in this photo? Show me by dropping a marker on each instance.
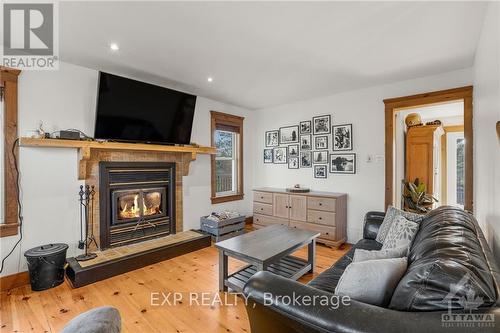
(324, 212)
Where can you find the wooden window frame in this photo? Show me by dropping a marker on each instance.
(394, 105)
(219, 118)
(8, 80)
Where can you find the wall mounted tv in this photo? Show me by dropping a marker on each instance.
(134, 111)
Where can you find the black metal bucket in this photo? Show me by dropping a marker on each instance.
(46, 265)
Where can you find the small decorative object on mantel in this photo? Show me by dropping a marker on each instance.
(413, 119)
(87, 221)
(297, 189)
(435, 122)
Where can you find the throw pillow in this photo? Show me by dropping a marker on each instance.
(401, 233)
(372, 281)
(390, 215)
(364, 255)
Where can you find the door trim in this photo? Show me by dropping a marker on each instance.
(393, 105)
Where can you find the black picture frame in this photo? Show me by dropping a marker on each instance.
(267, 138)
(306, 159)
(268, 159)
(305, 127)
(322, 128)
(283, 159)
(323, 153)
(291, 150)
(334, 163)
(294, 133)
(301, 144)
(317, 174)
(341, 142)
(322, 137)
(293, 163)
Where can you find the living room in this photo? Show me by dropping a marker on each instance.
(288, 125)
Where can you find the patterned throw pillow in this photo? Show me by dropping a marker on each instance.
(390, 215)
(401, 233)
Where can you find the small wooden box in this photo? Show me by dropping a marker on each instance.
(224, 229)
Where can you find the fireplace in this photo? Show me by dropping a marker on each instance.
(136, 200)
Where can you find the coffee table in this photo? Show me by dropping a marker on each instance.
(267, 249)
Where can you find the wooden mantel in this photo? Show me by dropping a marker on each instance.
(85, 149)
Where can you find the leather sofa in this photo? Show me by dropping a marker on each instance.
(451, 284)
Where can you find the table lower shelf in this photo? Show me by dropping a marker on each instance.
(290, 267)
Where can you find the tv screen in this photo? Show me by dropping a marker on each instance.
(134, 111)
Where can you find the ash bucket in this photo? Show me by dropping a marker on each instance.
(46, 265)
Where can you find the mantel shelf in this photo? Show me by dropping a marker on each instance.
(85, 147)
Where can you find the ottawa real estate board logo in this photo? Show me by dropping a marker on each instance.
(30, 35)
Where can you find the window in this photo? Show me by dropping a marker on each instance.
(227, 164)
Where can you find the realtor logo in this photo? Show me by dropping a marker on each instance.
(29, 36)
(470, 303)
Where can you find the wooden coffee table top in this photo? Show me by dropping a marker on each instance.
(267, 243)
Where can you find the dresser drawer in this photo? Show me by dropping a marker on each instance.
(318, 203)
(263, 197)
(321, 217)
(262, 208)
(326, 232)
(264, 220)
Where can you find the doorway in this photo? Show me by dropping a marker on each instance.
(429, 137)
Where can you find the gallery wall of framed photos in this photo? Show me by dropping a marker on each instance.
(315, 144)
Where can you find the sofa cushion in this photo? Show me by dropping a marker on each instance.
(328, 279)
(372, 281)
(104, 319)
(389, 219)
(400, 234)
(447, 266)
(364, 255)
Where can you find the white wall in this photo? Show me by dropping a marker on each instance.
(486, 114)
(66, 99)
(365, 110)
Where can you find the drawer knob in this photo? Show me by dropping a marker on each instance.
(262, 197)
(320, 218)
(327, 233)
(262, 209)
(320, 204)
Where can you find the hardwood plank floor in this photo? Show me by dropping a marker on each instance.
(48, 311)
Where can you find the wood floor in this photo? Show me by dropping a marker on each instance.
(48, 311)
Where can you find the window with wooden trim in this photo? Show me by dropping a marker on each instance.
(227, 164)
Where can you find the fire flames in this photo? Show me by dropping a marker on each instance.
(132, 210)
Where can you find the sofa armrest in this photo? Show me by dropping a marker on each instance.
(271, 308)
(373, 220)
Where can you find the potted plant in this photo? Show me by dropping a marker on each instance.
(415, 198)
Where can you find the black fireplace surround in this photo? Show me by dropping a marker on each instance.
(136, 200)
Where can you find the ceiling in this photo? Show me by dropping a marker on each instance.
(263, 54)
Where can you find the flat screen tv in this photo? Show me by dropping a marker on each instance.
(134, 111)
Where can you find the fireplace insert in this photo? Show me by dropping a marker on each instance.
(137, 201)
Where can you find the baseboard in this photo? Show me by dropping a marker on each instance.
(14, 281)
(249, 220)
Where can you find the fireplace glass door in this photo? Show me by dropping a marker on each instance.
(140, 204)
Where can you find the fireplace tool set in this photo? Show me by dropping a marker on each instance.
(86, 221)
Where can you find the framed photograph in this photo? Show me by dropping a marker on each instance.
(320, 171)
(305, 127)
(289, 134)
(321, 142)
(305, 142)
(320, 157)
(343, 163)
(272, 138)
(293, 151)
(342, 137)
(322, 124)
(293, 162)
(305, 159)
(279, 155)
(268, 156)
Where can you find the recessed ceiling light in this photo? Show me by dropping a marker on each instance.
(114, 47)
(210, 79)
